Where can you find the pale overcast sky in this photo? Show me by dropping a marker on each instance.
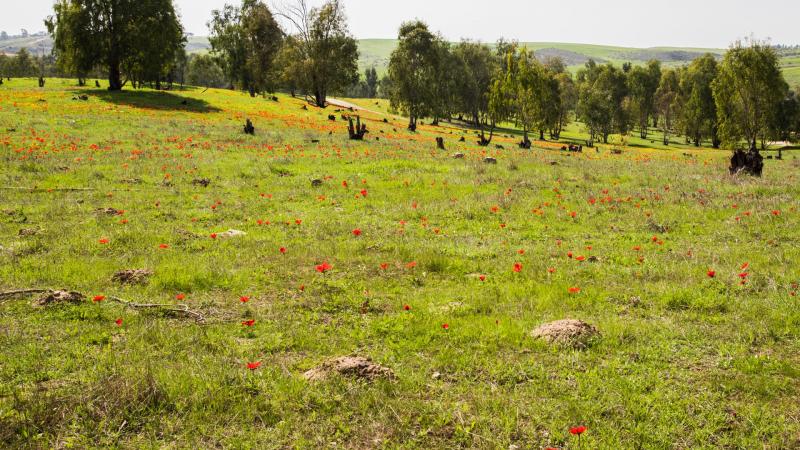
(636, 23)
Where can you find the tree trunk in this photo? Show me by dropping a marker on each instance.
(541, 135)
(114, 75)
(320, 99)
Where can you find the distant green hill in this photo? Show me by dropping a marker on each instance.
(376, 52)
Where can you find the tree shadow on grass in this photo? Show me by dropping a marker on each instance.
(156, 100)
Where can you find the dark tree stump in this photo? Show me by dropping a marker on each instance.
(357, 130)
(96, 83)
(440, 143)
(41, 82)
(751, 163)
(249, 128)
(331, 117)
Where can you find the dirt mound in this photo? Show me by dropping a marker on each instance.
(54, 297)
(24, 232)
(132, 276)
(570, 333)
(109, 211)
(349, 366)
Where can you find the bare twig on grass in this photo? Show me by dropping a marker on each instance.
(9, 295)
(178, 309)
(36, 189)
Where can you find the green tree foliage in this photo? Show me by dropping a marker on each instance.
(698, 116)
(23, 65)
(602, 100)
(71, 30)
(667, 101)
(371, 80)
(203, 70)
(748, 91)
(475, 67)
(322, 55)
(568, 100)
(246, 41)
(642, 85)
(366, 87)
(412, 71)
(136, 38)
(787, 117)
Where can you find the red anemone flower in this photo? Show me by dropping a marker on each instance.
(577, 430)
(254, 365)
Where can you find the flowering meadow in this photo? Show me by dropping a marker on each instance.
(261, 257)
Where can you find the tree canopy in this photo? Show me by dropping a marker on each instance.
(139, 39)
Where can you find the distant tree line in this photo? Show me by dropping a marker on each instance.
(744, 97)
(136, 41)
(741, 98)
(143, 42)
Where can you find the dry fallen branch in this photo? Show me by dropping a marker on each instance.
(180, 309)
(35, 189)
(177, 309)
(10, 295)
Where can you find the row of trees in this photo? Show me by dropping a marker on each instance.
(316, 57)
(142, 41)
(133, 40)
(743, 97)
(23, 64)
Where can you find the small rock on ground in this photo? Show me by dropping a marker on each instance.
(231, 234)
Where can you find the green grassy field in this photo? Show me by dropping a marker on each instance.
(456, 262)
